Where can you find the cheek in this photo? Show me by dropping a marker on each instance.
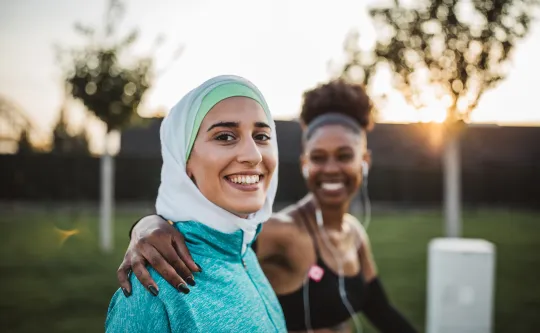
(206, 169)
(312, 171)
(355, 174)
(269, 159)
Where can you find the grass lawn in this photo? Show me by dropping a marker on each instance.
(51, 283)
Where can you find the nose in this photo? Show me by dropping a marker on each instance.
(331, 166)
(249, 152)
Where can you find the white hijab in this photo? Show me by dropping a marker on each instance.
(178, 199)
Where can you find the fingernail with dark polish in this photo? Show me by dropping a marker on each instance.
(199, 267)
(153, 290)
(190, 281)
(182, 287)
(126, 293)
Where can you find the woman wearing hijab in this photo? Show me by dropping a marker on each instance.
(317, 257)
(218, 183)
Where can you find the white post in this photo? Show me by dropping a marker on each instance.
(460, 286)
(106, 204)
(452, 187)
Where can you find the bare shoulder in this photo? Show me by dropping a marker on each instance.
(364, 249)
(357, 227)
(281, 223)
(278, 234)
(282, 218)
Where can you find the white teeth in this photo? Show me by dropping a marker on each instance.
(332, 186)
(251, 179)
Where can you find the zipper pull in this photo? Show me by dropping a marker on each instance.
(244, 263)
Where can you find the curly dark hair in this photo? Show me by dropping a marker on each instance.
(338, 96)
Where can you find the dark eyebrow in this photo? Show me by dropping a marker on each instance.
(260, 124)
(229, 124)
(235, 124)
(347, 148)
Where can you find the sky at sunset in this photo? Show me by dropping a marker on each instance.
(282, 46)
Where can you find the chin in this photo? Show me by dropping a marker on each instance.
(246, 208)
(333, 202)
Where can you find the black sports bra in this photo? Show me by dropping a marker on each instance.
(326, 308)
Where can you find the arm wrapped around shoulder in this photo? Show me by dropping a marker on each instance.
(381, 313)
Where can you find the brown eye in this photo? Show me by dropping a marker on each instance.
(345, 157)
(317, 158)
(262, 137)
(225, 137)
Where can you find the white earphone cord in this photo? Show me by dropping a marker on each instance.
(365, 202)
(364, 198)
(341, 274)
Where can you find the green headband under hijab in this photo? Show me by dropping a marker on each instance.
(216, 95)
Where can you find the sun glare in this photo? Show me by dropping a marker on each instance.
(431, 115)
(397, 110)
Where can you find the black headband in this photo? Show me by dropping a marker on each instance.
(332, 118)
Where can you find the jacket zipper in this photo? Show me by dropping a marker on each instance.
(256, 288)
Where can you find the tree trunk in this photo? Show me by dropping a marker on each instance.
(452, 186)
(107, 197)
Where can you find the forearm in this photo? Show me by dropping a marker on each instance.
(382, 314)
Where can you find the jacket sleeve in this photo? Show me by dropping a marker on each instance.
(382, 314)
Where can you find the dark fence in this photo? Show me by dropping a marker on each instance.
(51, 177)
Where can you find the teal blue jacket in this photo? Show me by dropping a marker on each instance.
(231, 295)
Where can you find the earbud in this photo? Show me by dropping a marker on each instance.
(305, 171)
(365, 169)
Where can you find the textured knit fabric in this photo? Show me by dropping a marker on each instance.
(232, 294)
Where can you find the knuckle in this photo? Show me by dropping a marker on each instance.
(120, 270)
(142, 275)
(182, 268)
(155, 260)
(158, 233)
(120, 274)
(178, 264)
(137, 263)
(141, 244)
(135, 258)
(171, 275)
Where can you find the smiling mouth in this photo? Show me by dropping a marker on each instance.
(327, 186)
(244, 179)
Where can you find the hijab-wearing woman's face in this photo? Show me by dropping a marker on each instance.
(233, 160)
(333, 161)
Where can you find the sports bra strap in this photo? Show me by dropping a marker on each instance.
(305, 220)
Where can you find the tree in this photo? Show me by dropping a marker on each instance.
(66, 143)
(457, 49)
(25, 145)
(109, 89)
